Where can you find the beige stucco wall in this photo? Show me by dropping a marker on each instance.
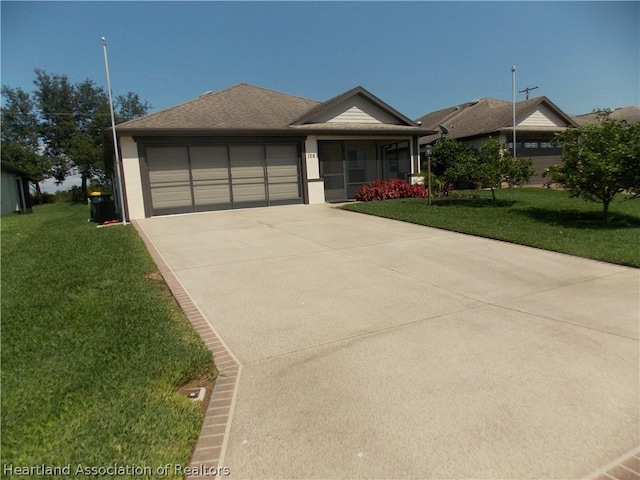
(132, 177)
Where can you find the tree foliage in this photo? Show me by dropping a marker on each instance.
(20, 134)
(60, 126)
(490, 165)
(600, 161)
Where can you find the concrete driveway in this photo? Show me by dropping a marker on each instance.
(371, 348)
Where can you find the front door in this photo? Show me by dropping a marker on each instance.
(332, 170)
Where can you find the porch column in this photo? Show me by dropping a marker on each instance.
(314, 182)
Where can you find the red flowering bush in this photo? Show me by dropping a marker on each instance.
(387, 189)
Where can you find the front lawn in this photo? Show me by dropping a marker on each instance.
(537, 217)
(92, 349)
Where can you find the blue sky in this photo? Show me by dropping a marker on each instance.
(416, 56)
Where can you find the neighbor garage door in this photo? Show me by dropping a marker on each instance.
(216, 177)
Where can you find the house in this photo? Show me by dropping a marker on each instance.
(15, 190)
(628, 114)
(247, 146)
(537, 120)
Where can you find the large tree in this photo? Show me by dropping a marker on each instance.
(20, 135)
(73, 118)
(600, 161)
(60, 127)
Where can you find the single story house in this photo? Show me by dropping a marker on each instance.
(247, 146)
(15, 190)
(537, 121)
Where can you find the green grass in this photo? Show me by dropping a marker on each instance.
(541, 218)
(92, 349)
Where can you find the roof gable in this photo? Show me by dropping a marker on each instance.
(541, 116)
(357, 106)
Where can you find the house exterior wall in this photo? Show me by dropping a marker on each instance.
(132, 178)
(10, 194)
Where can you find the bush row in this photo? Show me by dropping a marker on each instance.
(388, 189)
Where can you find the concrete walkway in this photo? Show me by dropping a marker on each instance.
(371, 348)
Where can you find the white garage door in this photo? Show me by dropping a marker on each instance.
(215, 177)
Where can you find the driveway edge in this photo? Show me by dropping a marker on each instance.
(209, 452)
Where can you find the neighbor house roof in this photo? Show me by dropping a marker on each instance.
(628, 114)
(7, 167)
(488, 116)
(246, 109)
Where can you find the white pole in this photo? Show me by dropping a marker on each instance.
(115, 137)
(513, 101)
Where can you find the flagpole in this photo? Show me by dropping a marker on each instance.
(513, 106)
(115, 137)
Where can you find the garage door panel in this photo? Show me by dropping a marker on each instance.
(209, 163)
(247, 161)
(211, 193)
(171, 196)
(169, 179)
(284, 191)
(215, 177)
(249, 192)
(283, 174)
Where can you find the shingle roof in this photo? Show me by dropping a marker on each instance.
(245, 108)
(628, 114)
(482, 117)
(237, 108)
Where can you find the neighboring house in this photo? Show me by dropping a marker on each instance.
(537, 120)
(628, 114)
(15, 190)
(247, 146)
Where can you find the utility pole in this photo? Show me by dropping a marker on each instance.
(527, 90)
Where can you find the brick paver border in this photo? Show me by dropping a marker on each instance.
(208, 455)
(625, 467)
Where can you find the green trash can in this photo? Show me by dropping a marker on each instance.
(102, 208)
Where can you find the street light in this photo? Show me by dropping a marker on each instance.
(427, 151)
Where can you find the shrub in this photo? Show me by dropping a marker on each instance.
(388, 189)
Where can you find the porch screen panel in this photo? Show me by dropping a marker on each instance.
(283, 176)
(210, 175)
(361, 164)
(248, 174)
(169, 179)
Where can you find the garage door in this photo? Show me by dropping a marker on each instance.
(216, 177)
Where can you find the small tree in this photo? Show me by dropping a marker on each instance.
(453, 161)
(600, 161)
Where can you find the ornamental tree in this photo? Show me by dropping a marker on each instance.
(495, 166)
(600, 161)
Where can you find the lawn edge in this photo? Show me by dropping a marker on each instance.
(513, 242)
(209, 451)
